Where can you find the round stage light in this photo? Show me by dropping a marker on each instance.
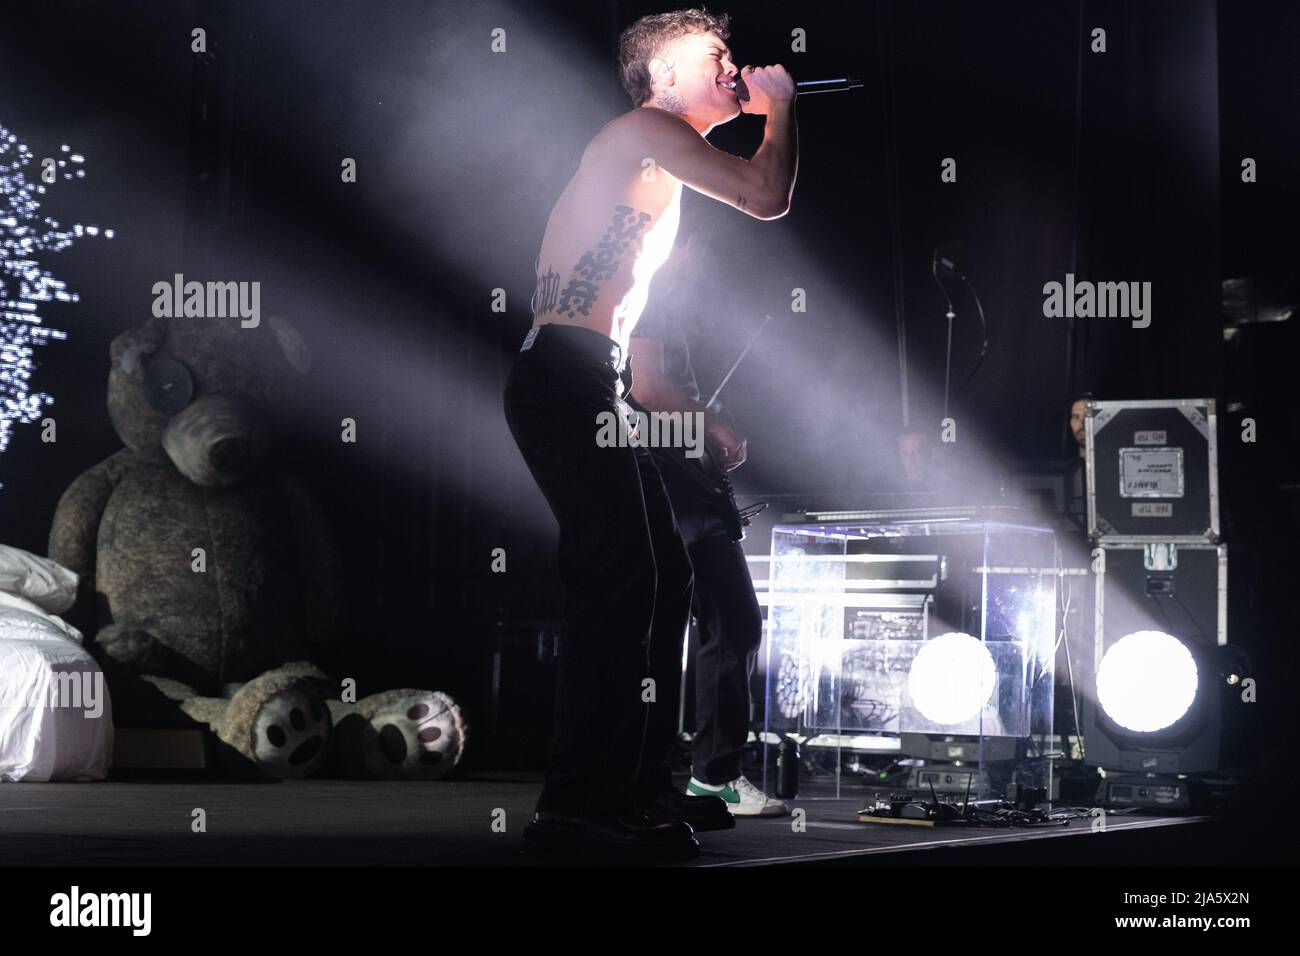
(952, 678)
(1146, 681)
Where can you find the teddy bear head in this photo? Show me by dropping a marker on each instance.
(203, 392)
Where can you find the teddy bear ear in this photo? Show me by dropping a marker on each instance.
(291, 343)
(130, 348)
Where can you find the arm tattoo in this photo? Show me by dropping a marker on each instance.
(672, 102)
(601, 265)
(544, 296)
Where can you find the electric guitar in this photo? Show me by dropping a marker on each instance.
(705, 472)
(714, 486)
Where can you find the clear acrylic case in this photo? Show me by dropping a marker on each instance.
(932, 637)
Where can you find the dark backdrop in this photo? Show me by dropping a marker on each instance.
(1122, 166)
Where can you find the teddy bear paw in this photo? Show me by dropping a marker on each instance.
(291, 731)
(415, 735)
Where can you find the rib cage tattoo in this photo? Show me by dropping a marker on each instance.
(544, 296)
(592, 269)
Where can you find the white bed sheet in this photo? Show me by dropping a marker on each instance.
(42, 664)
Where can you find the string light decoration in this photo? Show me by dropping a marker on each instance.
(25, 236)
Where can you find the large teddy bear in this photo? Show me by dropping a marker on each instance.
(209, 585)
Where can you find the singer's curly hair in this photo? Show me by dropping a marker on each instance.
(644, 40)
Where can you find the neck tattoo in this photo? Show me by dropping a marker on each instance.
(672, 103)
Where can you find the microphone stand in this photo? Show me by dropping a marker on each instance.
(950, 315)
(947, 360)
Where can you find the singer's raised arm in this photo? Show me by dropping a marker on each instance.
(760, 187)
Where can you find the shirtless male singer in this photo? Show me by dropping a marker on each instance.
(626, 574)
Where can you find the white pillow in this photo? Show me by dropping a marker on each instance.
(38, 579)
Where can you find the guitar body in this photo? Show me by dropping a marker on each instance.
(705, 481)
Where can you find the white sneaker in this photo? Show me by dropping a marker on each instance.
(743, 799)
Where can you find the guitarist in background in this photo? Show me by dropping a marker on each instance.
(731, 625)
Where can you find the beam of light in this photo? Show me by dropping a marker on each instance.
(25, 235)
(424, 411)
(485, 144)
(475, 153)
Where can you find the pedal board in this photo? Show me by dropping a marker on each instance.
(904, 810)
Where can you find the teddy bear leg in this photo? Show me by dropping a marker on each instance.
(277, 726)
(401, 735)
(204, 710)
(310, 672)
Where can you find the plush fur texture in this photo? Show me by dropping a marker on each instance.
(399, 735)
(258, 605)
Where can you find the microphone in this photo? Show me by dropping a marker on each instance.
(804, 87)
(849, 82)
(946, 267)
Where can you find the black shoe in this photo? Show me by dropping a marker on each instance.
(628, 838)
(702, 813)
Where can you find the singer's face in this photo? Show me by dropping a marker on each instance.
(701, 64)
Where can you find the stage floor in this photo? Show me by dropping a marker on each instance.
(339, 822)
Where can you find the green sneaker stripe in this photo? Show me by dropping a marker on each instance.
(729, 794)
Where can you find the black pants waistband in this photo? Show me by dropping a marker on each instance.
(587, 345)
(579, 339)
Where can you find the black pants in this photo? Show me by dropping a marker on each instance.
(626, 575)
(730, 629)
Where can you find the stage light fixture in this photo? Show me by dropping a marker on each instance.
(952, 677)
(1147, 681)
(1162, 696)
